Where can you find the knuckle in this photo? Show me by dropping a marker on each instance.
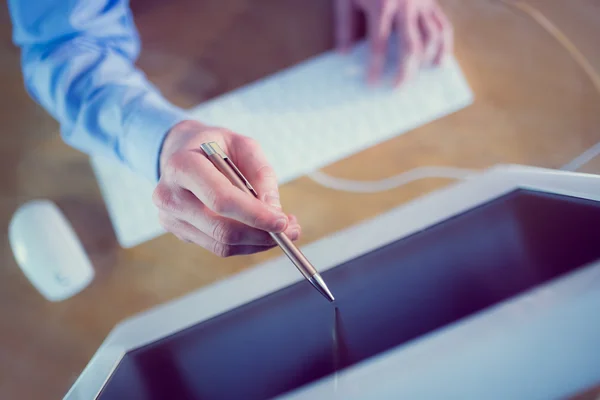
(265, 222)
(222, 250)
(165, 198)
(157, 194)
(266, 172)
(170, 224)
(224, 233)
(176, 163)
(258, 222)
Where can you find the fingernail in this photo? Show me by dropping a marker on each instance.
(294, 234)
(280, 224)
(272, 198)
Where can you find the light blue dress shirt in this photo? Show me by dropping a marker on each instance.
(78, 61)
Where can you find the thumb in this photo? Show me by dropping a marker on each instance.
(254, 165)
(265, 184)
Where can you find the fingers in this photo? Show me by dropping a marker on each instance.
(189, 233)
(177, 203)
(199, 204)
(431, 38)
(443, 25)
(344, 25)
(192, 171)
(425, 36)
(379, 24)
(253, 163)
(410, 43)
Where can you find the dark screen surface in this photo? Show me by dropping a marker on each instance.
(386, 298)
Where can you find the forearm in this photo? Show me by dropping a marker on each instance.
(88, 81)
(104, 105)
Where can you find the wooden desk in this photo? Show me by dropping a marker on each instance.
(534, 105)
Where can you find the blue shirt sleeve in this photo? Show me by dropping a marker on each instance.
(78, 60)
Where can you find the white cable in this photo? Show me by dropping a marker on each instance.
(583, 158)
(353, 186)
(347, 185)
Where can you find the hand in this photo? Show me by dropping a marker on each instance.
(198, 204)
(425, 34)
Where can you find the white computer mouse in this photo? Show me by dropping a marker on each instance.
(48, 251)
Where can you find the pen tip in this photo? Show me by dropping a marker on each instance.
(320, 285)
(329, 295)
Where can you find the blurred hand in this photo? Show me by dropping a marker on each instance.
(425, 34)
(198, 204)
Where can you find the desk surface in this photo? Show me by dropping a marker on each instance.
(534, 105)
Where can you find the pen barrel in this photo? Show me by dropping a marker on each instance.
(230, 171)
(295, 255)
(227, 168)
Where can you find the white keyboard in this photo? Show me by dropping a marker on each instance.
(305, 117)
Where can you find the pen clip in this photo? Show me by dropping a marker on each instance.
(213, 148)
(241, 176)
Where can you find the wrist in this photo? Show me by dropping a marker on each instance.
(177, 136)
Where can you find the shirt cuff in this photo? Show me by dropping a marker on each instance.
(146, 130)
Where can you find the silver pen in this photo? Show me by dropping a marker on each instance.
(224, 164)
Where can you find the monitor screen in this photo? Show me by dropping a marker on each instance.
(386, 298)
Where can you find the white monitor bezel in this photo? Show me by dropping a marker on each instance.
(382, 373)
